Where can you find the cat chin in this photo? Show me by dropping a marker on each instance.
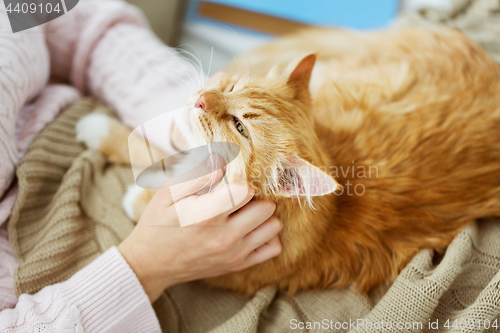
(184, 122)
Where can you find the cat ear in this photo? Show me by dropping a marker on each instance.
(301, 75)
(300, 178)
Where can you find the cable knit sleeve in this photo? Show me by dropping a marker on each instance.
(72, 38)
(105, 296)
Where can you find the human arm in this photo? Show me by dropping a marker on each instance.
(105, 296)
(106, 49)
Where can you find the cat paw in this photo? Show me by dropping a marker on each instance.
(130, 201)
(92, 129)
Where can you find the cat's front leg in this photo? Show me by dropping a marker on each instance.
(135, 201)
(106, 135)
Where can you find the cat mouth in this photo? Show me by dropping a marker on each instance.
(185, 122)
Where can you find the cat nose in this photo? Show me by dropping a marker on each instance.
(200, 103)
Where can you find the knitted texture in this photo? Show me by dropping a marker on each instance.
(69, 212)
(54, 238)
(478, 19)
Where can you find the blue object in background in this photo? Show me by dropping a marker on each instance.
(354, 14)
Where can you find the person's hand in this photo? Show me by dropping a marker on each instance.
(162, 253)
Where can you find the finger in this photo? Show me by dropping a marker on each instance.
(216, 77)
(262, 234)
(201, 177)
(206, 207)
(252, 215)
(237, 202)
(265, 252)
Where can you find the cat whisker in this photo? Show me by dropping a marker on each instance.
(196, 81)
(210, 65)
(197, 70)
(229, 47)
(189, 83)
(193, 59)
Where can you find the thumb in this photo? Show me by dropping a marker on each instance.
(202, 177)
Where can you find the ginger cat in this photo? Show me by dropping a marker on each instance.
(408, 122)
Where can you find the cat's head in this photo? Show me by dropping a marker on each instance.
(270, 119)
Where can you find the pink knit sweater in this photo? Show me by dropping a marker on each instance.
(103, 48)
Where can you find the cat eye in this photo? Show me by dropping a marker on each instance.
(240, 127)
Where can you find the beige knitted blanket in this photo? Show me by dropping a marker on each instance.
(69, 211)
(478, 19)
